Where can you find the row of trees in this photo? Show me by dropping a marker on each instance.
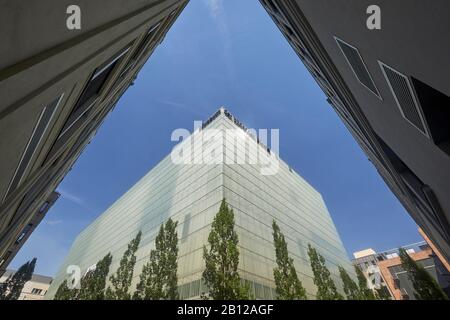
(12, 287)
(289, 287)
(158, 279)
(222, 258)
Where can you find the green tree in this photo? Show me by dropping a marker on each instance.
(351, 289)
(288, 286)
(158, 279)
(121, 280)
(171, 261)
(222, 259)
(14, 285)
(425, 286)
(326, 288)
(93, 282)
(382, 293)
(4, 287)
(150, 283)
(364, 291)
(64, 293)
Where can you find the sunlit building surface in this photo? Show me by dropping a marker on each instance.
(191, 194)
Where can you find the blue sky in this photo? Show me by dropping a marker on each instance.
(226, 53)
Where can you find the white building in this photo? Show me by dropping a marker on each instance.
(35, 289)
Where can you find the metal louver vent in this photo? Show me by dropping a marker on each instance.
(357, 65)
(404, 97)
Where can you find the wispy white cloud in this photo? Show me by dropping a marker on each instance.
(173, 104)
(72, 197)
(215, 7)
(217, 11)
(182, 106)
(54, 222)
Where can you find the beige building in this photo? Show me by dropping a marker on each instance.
(35, 289)
(57, 86)
(390, 86)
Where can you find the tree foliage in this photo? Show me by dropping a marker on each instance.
(288, 285)
(65, 293)
(350, 287)
(158, 279)
(222, 258)
(364, 291)
(382, 293)
(425, 286)
(4, 287)
(326, 288)
(121, 280)
(13, 286)
(92, 284)
(94, 281)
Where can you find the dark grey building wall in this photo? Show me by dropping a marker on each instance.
(412, 41)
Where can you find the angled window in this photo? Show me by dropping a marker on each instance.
(421, 194)
(34, 142)
(88, 97)
(272, 7)
(5, 258)
(404, 97)
(91, 91)
(136, 54)
(144, 43)
(434, 105)
(23, 233)
(44, 207)
(357, 65)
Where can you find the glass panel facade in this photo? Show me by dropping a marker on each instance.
(191, 194)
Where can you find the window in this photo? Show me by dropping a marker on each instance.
(404, 97)
(85, 102)
(195, 288)
(357, 65)
(136, 54)
(44, 207)
(145, 41)
(36, 291)
(33, 144)
(396, 283)
(435, 108)
(24, 233)
(5, 257)
(272, 6)
(421, 194)
(259, 291)
(92, 91)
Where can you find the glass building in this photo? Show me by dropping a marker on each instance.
(216, 165)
